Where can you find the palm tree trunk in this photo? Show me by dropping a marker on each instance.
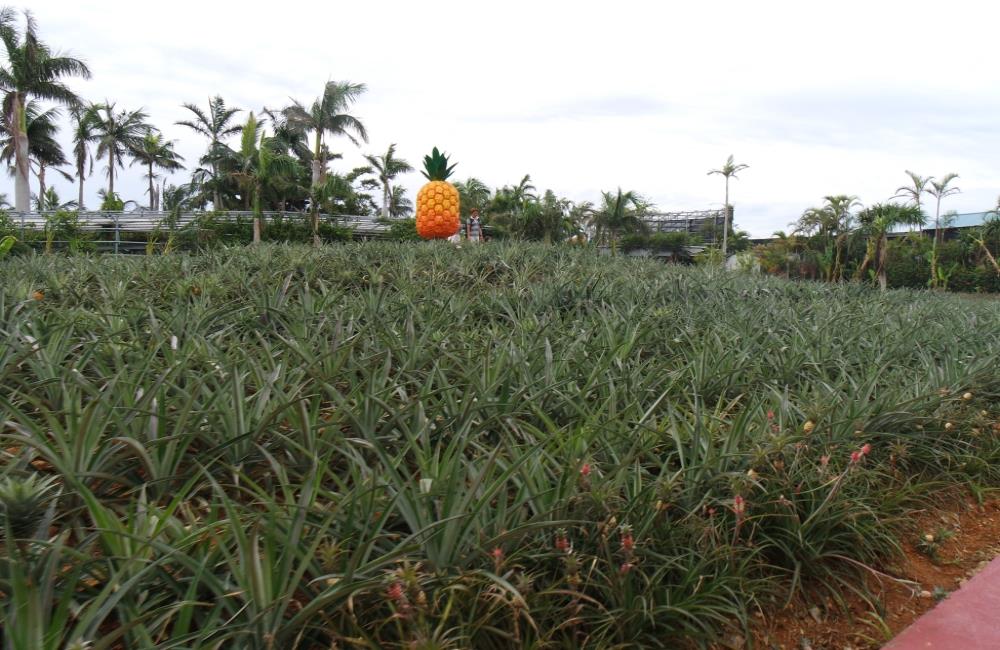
(385, 200)
(111, 177)
(869, 253)
(725, 225)
(937, 227)
(982, 243)
(256, 217)
(883, 255)
(79, 198)
(216, 199)
(316, 164)
(314, 217)
(152, 190)
(22, 185)
(41, 186)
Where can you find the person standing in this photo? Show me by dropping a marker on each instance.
(473, 228)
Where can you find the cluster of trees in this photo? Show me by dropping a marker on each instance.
(843, 240)
(278, 159)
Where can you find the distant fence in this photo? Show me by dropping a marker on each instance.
(124, 232)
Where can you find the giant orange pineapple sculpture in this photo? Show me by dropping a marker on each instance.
(437, 201)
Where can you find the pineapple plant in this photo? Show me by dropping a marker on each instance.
(437, 201)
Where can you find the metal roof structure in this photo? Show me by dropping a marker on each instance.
(691, 221)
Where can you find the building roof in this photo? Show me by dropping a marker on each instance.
(966, 220)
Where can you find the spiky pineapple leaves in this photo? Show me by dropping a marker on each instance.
(436, 166)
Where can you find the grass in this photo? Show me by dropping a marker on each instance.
(412, 446)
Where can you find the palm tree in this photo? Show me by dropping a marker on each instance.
(833, 221)
(83, 120)
(290, 137)
(117, 134)
(400, 205)
(472, 194)
(44, 151)
(259, 165)
(549, 218)
(32, 71)
(51, 201)
(155, 151)
(387, 167)
(328, 115)
(215, 124)
(914, 191)
(939, 190)
(876, 222)
(729, 170)
(619, 213)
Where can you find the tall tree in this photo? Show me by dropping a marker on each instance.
(154, 150)
(939, 190)
(728, 170)
(914, 191)
(290, 137)
(472, 194)
(117, 133)
(259, 165)
(399, 204)
(876, 223)
(327, 114)
(44, 150)
(387, 167)
(832, 222)
(32, 70)
(619, 213)
(216, 124)
(83, 121)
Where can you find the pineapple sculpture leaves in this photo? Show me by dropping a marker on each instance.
(437, 201)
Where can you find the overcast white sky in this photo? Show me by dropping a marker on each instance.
(818, 98)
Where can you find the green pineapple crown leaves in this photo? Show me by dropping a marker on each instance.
(436, 166)
(23, 502)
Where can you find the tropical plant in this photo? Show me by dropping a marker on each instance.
(259, 167)
(388, 167)
(216, 124)
(401, 446)
(831, 222)
(400, 206)
(438, 200)
(729, 170)
(877, 221)
(473, 194)
(548, 219)
(117, 134)
(990, 231)
(153, 150)
(44, 150)
(619, 213)
(50, 201)
(914, 191)
(32, 71)
(6, 244)
(83, 120)
(327, 114)
(939, 190)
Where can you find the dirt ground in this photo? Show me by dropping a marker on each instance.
(964, 537)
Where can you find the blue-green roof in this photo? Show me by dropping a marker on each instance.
(967, 220)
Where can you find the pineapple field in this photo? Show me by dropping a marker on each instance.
(391, 445)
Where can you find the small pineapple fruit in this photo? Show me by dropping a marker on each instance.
(23, 503)
(437, 201)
